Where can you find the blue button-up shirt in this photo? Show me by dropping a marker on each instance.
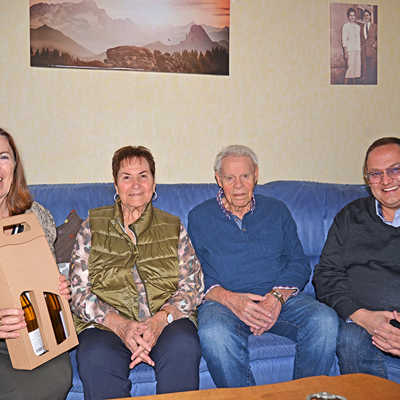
(396, 220)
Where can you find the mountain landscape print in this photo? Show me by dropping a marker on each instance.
(179, 36)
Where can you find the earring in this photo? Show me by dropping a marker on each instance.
(116, 196)
(155, 196)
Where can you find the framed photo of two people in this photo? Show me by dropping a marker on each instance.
(354, 44)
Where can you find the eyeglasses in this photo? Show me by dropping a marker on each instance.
(377, 176)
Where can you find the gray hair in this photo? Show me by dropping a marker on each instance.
(236, 150)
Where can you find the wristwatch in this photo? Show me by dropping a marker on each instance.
(170, 317)
(278, 296)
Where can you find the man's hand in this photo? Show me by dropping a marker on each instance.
(246, 306)
(371, 320)
(384, 336)
(11, 321)
(387, 337)
(273, 305)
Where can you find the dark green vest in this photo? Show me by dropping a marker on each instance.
(113, 254)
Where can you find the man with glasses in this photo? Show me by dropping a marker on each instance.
(359, 269)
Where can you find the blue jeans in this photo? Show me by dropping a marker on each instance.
(103, 361)
(224, 340)
(357, 354)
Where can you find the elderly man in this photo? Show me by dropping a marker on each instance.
(359, 270)
(254, 269)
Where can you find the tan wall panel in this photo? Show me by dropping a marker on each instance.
(277, 99)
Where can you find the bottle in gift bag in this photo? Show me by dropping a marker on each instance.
(32, 325)
(56, 317)
(53, 305)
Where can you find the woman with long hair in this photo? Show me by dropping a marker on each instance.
(52, 380)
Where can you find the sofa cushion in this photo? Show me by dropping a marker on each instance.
(66, 234)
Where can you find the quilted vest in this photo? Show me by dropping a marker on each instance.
(113, 254)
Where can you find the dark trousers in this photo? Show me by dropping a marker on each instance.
(50, 381)
(103, 361)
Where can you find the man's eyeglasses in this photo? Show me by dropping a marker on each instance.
(377, 176)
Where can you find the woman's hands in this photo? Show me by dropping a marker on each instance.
(11, 321)
(138, 337)
(64, 287)
(152, 329)
(132, 334)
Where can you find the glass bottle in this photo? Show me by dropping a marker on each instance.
(32, 325)
(52, 302)
(56, 317)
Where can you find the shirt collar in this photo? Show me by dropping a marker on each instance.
(396, 220)
(227, 213)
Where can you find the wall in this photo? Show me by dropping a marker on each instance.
(277, 100)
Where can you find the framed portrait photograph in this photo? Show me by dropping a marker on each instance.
(354, 44)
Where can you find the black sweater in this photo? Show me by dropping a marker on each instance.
(360, 263)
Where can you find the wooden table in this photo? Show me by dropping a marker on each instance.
(352, 387)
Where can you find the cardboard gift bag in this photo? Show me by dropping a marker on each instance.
(27, 265)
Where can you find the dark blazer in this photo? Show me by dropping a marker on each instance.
(369, 45)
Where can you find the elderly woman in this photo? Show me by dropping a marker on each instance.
(51, 380)
(351, 42)
(136, 282)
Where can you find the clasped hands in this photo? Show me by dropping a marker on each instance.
(140, 337)
(12, 320)
(258, 312)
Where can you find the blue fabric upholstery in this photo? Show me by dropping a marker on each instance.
(313, 206)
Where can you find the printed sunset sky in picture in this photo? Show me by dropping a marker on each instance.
(162, 12)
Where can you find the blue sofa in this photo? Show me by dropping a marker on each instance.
(313, 206)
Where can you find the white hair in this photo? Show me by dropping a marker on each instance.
(236, 150)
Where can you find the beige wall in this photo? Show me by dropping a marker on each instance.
(277, 100)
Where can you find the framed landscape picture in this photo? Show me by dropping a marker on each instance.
(179, 36)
